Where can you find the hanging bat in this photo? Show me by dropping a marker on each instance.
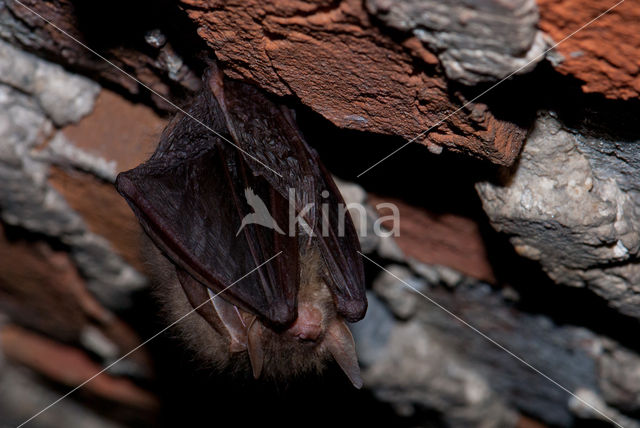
(202, 198)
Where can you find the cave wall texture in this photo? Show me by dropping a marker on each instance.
(521, 215)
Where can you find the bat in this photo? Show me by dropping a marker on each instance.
(215, 209)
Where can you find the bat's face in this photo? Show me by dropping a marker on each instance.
(233, 339)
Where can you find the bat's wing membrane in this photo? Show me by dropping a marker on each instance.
(274, 139)
(193, 188)
(339, 245)
(187, 195)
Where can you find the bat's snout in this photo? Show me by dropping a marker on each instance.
(308, 326)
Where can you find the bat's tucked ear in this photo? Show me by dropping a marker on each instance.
(214, 79)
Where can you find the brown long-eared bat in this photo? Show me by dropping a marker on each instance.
(219, 204)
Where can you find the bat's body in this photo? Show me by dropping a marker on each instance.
(288, 316)
(299, 349)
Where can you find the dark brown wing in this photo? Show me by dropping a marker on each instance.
(340, 246)
(190, 198)
(268, 132)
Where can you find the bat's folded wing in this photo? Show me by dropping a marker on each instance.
(276, 141)
(340, 246)
(187, 205)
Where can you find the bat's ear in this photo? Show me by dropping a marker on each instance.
(214, 79)
(340, 343)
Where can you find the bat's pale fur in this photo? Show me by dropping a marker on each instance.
(285, 356)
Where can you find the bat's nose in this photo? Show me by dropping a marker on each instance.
(308, 325)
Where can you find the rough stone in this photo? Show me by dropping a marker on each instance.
(23, 395)
(418, 371)
(64, 97)
(365, 65)
(444, 239)
(604, 54)
(334, 58)
(362, 214)
(388, 249)
(117, 131)
(394, 292)
(620, 377)
(374, 331)
(26, 197)
(432, 360)
(70, 366)
(605, 413)
(84, 192)
(124, 47)
(59, 150)
(438, 274)
(475, 41)
(116, 136)
(41, 289)
(573, 204)
(28, 201)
